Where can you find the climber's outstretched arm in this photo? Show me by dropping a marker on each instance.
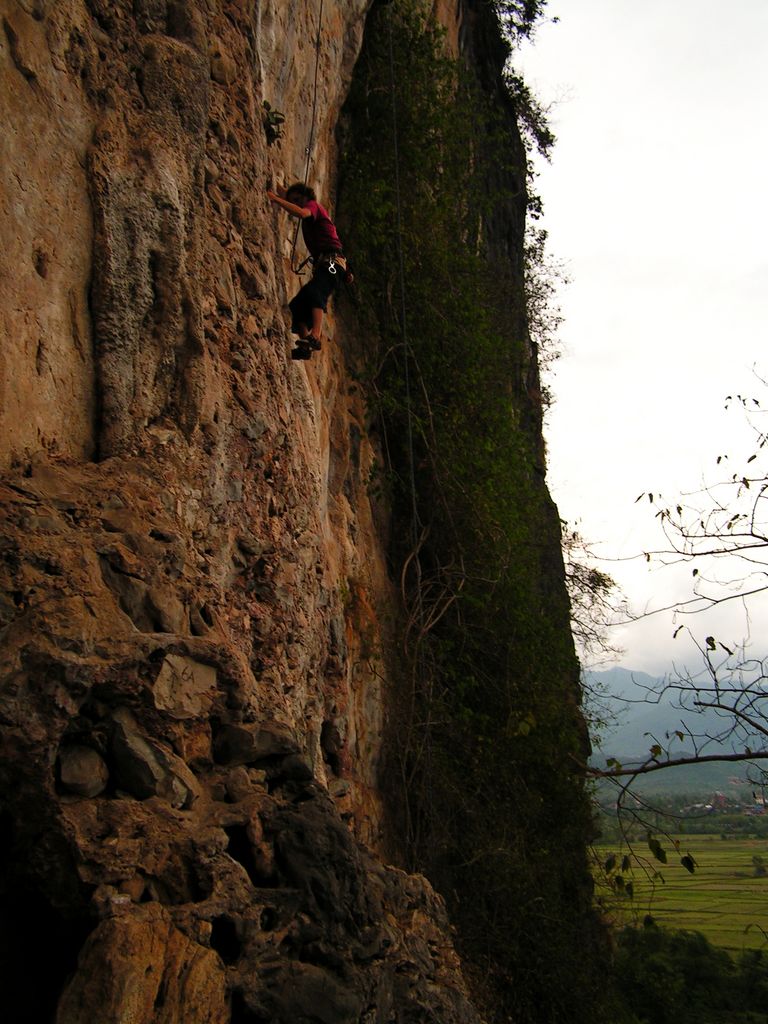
(292, 208)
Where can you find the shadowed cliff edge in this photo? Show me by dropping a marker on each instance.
(201, 676)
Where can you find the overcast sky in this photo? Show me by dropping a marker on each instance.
(656, 203)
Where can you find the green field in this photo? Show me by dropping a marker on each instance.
(723, 899)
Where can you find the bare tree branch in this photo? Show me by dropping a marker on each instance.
(657, 766)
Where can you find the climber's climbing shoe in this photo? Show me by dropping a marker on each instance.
(302, 351)
(314, 343)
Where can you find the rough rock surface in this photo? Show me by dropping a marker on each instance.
(192, 582)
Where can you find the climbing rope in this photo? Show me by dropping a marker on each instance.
(310, 145)
(415, 522)
(412, 565)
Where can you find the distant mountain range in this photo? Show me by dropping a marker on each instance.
(636, 718)
(641, 716)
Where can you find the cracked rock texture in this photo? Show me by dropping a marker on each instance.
(193, 581)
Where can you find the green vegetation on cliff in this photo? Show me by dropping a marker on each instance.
(488, 718)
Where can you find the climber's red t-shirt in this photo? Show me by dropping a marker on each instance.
(319, 232)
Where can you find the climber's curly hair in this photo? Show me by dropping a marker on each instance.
(301, 189)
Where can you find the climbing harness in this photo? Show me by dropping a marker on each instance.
(310, 144)
(333, 260)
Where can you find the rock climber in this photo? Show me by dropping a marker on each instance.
(329, 265)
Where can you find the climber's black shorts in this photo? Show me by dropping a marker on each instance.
(314, 295)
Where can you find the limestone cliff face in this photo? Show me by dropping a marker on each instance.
(195, 604)
(193, 588)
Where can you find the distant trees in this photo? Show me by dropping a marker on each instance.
(678, 977)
